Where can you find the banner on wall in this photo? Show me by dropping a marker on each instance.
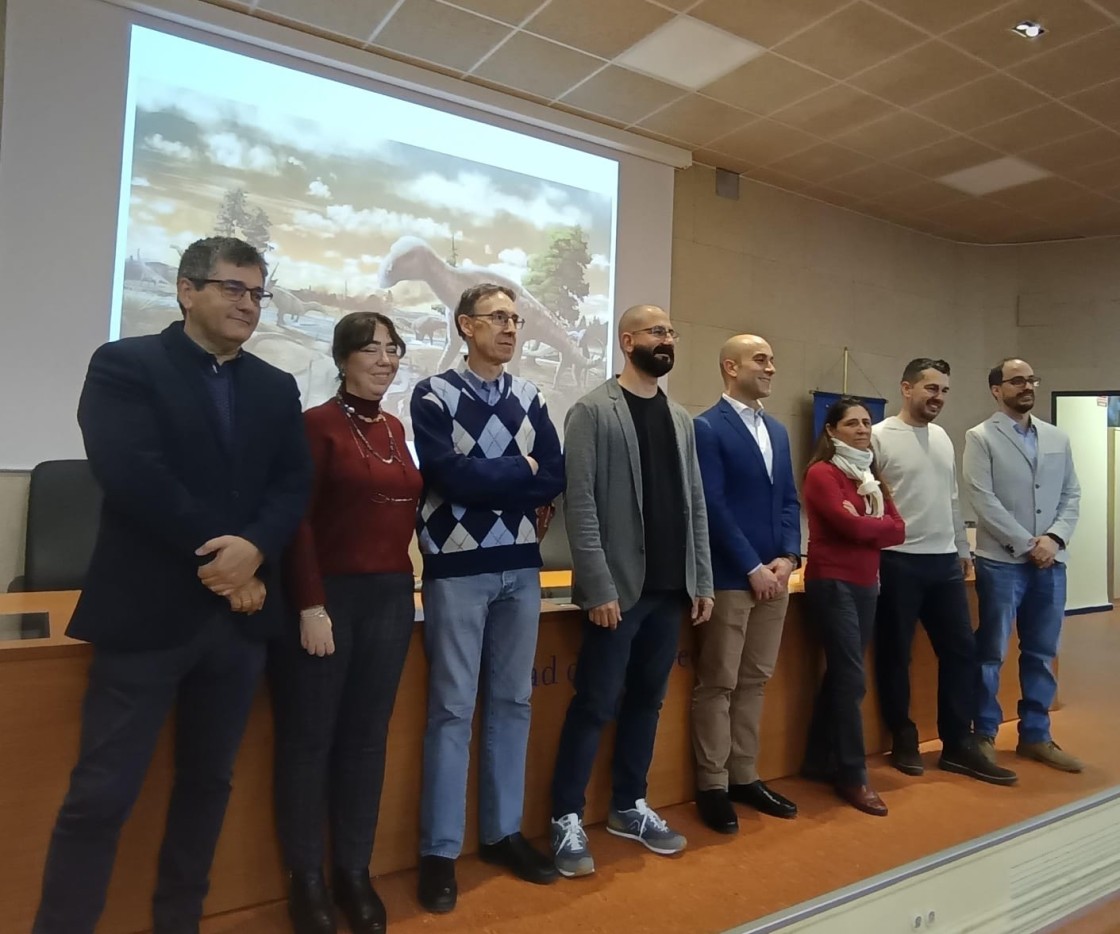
(822, 401)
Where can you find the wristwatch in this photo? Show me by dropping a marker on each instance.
(796, 559)
(1061, 544)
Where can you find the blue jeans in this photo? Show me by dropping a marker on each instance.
(621, 674)
(1034, 599)
(485, 623)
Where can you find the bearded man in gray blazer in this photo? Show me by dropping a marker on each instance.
(1020, 479)
(638, 530)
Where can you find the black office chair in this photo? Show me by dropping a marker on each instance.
(63, 510)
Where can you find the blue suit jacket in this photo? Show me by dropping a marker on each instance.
(171, 482)
(751, 519)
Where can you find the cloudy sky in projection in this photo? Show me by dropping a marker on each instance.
(343, 173)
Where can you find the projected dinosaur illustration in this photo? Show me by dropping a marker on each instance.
(411, 258)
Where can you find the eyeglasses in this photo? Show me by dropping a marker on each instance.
(1020, 382)
(234, 289)
(659, 331)
(503, 319)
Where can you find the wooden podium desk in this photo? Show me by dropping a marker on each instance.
(42, 682)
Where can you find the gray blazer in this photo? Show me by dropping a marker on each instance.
(1014, 500)
(603, 502)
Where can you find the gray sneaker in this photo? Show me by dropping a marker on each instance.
(642, 823)
(570, 848)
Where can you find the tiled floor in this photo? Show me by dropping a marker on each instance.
(721, 882)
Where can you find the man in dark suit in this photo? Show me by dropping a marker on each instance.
(754, 524)
(199, 449)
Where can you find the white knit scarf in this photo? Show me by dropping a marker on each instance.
(857, 465)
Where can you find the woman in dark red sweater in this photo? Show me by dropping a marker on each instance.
(851, 518)
(336, 671)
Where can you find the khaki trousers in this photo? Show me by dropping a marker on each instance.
(738, 648)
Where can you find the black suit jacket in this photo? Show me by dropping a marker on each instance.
(171, 482)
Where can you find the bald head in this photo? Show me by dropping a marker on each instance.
(746, 364)
(647, 339)
(637, 317)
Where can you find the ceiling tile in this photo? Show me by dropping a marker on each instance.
(505, 89)
(842, 199)
(588, 115)
(940, 15)
(537, 66)
(992, 38)
(921, 197)
(874, 181)
(981, 102)
(1103, 175)
(766, 84)
(358, 21)
(893, 135)
(1083, 207)
(821, 163)
(621, 94)
(1098, 145)
(1106, 225)
(856, 38)
(433, 32)
(947, 156)
(1044, 191)
(720, 160)
(1101, 103)
(763, 141)
(697, 119)
(1113, 6)
(979, 214)
(834, 110)
(920, 73)
(764, 21)
(605, 29)
(1032, 128)
(1075, 66)
(778, 179)
(508, 11)
(679, 5)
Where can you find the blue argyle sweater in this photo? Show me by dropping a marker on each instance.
(478, 510)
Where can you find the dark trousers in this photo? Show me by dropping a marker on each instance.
(930, 588)
(332, 719)
(844, 615)
(621, 674)
(210, 682)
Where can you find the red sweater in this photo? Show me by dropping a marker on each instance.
(842, 546)
(346, 530)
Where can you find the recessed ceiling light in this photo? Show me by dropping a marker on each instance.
(994, 176)
(689, 52)
(1029, 29)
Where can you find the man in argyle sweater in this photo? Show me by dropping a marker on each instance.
(490, 456)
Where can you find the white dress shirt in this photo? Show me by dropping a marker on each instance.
(756, 425)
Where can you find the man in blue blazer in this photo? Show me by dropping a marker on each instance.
(754, 523)
(200, 451)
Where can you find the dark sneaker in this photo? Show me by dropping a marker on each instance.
(1051, 754)
(972, 761)
(642, 823)
(570, 848)
(904, 752)
(521, 858)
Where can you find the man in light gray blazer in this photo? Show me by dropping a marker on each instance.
(638, 531)
(1020, 479)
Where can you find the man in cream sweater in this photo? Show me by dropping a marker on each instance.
(923, 578)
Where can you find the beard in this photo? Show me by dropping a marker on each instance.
(652, 360)
(1022, 403)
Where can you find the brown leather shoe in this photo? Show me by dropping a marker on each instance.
(863, 798)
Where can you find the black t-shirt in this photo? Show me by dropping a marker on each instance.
(663, 507)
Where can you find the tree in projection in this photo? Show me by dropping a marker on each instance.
(558, 276)
(238, 218)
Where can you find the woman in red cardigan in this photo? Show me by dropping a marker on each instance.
(851, 518)
(336, 672)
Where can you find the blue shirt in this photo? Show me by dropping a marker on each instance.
(488, 391)
(218, 378)
(1029, 437)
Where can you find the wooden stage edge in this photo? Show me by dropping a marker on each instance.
(42, 682)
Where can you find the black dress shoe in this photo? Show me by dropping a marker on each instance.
(309, 904)
(354, 894)
(437, 889)
(904, 752)
(515, 853)
(761, 798)
(716, 811)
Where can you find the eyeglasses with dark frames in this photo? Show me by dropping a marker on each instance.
(1019, 382)
(234, 289)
